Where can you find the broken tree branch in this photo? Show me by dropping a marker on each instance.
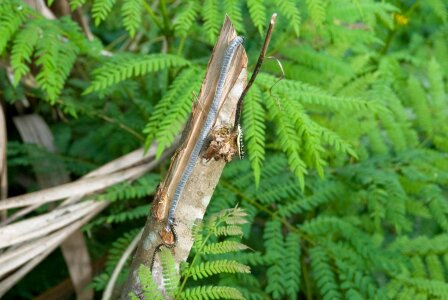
(205, 175)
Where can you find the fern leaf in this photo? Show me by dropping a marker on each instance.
(55, 59)
(117, 248)
(131, 12)
(431, 287)
(275, 249)
(12, 15)
(288, 140)
(122, 67)
(418, 100)
(323, 274)
(211, 292)
(148, 286)
(418, 266)
(289, 9)
(437, 205)
(435, 268)
(354, 279)
(436, 89)
(186, 18)
(211, 17)
(308, 94)
(257, 11)
(75, 4)
(439, 8)
(228, 231)
(22, 50)
(312, 148)
(172, 110)
(223, 247)
(316, 10)
(254, 130)
(170, 274)
(210, 268)
(233, 9)
(100, 10)
(291, 265)
(328, 191)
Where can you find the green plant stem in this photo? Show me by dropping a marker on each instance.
(166, 21)
(137, 135)
(152, 15)
(181, 45)
(306, 279)
(198, 251)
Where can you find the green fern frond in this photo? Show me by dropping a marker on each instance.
(323, 274)
(12, 15)
(186, 18)
(211, 15)
(254, 130)
(292, 265)
(101, 9)
(437, 205)
(55, 59)
(257, 11)
(210, 268)
(173, 109)
(117, 248)
(273, 241)
(417, 96)
(230, 216)
(99, 282)
(328, 191)
(288, 140)
(131, 12)
(147, 284)
(319, 61)
(316, 11)
(358, 282)
(312, 149)
(439, 8)
(418, 267)
(233, 9)
(223, 247)
(422, 245)
(430, 287)
(140, 188)
(211, 292)
(122, 67)
(436, 89)
(75, 4)
(23, 49)
(170, 274)
(334, 140)
(435, 268)
(289, 9)
(228, 231)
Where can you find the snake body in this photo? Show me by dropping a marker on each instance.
(230, 51)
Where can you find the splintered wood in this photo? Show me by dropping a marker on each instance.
(206, 172)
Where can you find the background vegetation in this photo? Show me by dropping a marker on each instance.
(347, 170)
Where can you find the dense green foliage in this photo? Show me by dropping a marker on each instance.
(347, 170)
(208, 260)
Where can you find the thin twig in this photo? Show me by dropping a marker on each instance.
(267, 39)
